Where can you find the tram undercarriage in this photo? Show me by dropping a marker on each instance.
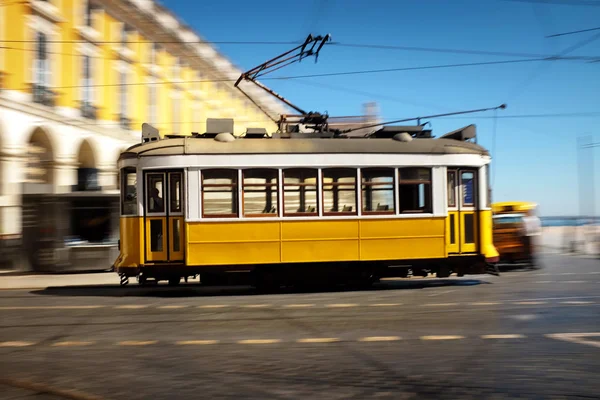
(363, 273)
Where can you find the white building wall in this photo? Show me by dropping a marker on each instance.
(18, 121)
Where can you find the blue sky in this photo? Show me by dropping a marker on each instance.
(535, 158)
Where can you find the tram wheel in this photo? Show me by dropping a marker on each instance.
(174, 281)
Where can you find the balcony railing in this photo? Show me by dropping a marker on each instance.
(88, 111)
(124, 122)
(43, 95)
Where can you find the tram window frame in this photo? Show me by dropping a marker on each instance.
(418, 182)
(221, 173)
(376, 173)
(488, 197)
(327, 187)
(269, 182)
(300, 185)
(129, 201)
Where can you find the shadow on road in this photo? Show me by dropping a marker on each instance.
(197, 290)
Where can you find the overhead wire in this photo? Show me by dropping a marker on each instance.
(537, 71)
(329, 74)
(590, 3)
(387, 121)
(332, 43)
(573, 32)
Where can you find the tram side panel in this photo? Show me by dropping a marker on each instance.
(265, 242)
(131, 244)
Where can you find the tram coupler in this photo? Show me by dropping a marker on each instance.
(492, 269)
(124, 279)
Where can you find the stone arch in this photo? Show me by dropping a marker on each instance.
(87, 166)
(86, 156)
(40, 157)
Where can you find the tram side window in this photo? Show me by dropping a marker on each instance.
(414, 190)
(378, 191)
(129, 203)
(219, 193)
(260, 192)
(451, 188)
(300, 191)
(339, 191)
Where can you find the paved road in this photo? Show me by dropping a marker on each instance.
(525, 334)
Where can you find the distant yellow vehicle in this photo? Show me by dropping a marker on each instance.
(512, 232)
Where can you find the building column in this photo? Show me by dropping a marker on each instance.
(64, 176)
(107, 178)
(11, 227)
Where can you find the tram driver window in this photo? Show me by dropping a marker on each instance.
(415, 190)
(378, 191)
(219, 193)
(260, 192)
(300, 192)
(128, 191)
(339, 191)
(156, 193)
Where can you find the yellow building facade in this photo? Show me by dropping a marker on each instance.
(77, 80)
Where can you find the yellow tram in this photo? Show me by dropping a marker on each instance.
(281, 209)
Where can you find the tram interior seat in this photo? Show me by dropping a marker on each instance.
(382, 207)
(347, 209)
(269, 211)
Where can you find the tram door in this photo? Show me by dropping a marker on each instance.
(462, 211)
(163, 220)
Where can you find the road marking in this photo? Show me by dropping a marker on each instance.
(385, 305)
(259, 341)
(50, 307)
(318, 340)
(379, 339)
(567, 273)
(442, 337)
(342, 305)
(594, 273)
(132, 306)
(70, 344)
(298, 305)
(137, 343)
(576, 338)
(196, 342)
(505, 336)
(486, 303)
(575, 281)
(577, 302)
(544, 282)
(440, 304)
(558, 298)
(255, 305)
(440, 293)
(16, 344)
(172, 307)
(213, 306)
(528, 303)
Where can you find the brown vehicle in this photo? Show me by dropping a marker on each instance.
(515, 227)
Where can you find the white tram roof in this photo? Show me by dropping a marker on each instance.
(451, 143)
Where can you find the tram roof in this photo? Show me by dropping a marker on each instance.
(195, 145)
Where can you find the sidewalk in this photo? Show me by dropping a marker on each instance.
(41, 281)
